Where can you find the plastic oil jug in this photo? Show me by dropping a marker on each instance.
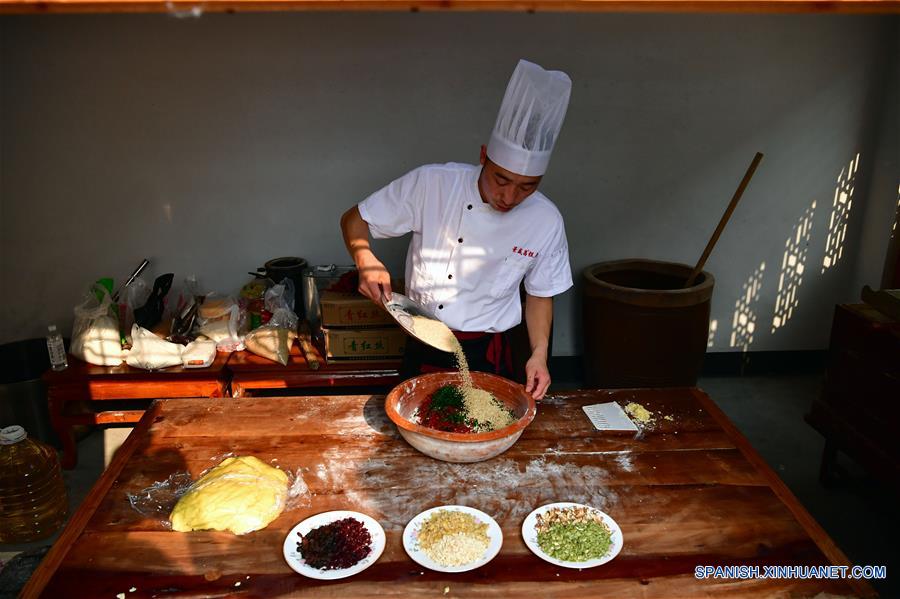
(33, 501)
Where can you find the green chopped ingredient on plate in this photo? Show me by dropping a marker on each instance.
(575, 542)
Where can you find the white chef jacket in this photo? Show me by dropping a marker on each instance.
(465, 259)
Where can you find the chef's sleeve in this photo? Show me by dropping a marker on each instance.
(551, 273)
(395, 209)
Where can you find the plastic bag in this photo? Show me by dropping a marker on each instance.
(182, 294)
(159, 500)
(221, 319)
(273, 343)
(95, 332)
(199, 353)
(150, 315)
(252, 298)
(151, 352)
(274, 339)
(280, 299)
(134, 296)
(182, 309)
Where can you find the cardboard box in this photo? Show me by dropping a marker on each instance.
(351, 310)
(372, 343)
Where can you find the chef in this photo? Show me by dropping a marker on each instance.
(478, 231)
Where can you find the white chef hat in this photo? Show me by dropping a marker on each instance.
(530, 118)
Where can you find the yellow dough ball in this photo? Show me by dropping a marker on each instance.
(241, 495)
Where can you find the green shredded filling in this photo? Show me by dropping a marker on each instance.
(575, 542)
(447, 396)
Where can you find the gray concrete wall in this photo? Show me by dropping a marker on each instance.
(209, 145)
(882, 202)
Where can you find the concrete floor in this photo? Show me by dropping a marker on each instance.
(858, 514)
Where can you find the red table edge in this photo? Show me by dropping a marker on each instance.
(51, 562)
(813, 529)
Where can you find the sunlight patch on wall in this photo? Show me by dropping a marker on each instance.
(840, 214)
(793, 264)
(743, 324)
(713, 325)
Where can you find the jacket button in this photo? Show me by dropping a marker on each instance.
(449, 276)
(459, 240)
(469, 206)
(440, 306)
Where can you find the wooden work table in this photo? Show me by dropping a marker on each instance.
(688, 491)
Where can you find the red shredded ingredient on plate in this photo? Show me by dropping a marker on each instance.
(341, 544)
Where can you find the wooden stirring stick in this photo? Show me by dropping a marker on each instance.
(731, 206)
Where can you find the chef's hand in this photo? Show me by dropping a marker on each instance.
(374, 280)
(537, 377)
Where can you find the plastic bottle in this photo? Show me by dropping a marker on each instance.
(56, 348)
(33, 501)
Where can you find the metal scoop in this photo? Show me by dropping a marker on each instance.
(403, 310)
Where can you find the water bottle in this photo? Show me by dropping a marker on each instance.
(57, 350)
(33, 502)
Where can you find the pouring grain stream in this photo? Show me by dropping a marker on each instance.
(480, 404)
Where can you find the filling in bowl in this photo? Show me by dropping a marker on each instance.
(465, 409)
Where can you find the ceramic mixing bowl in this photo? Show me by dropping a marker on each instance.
(404, 399)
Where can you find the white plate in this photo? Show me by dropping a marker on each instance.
(411, 539)
(530, 535)
(295, 559)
